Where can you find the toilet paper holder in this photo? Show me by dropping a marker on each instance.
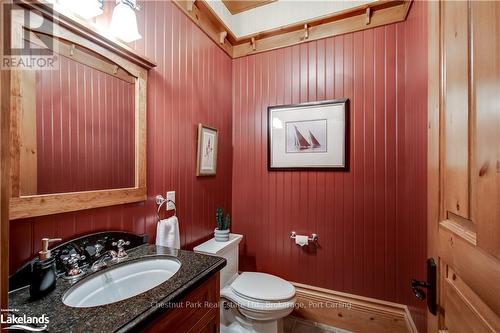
(313, 238)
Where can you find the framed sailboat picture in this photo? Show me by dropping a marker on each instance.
(308, 136)
(207, 151)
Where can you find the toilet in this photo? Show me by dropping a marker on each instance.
(250, 301)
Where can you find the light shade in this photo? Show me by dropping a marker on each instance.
(86, 9)
(124, 23)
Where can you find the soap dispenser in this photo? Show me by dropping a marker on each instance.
(43, 271)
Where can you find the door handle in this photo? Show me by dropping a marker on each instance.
(418, 286)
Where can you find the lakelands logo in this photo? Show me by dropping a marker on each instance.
(14, 321)
(29, 44)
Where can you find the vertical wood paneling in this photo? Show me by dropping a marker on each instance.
(370, 220)
(191, 84)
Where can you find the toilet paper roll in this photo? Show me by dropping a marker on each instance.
(301, 240)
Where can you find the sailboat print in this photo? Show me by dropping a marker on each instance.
(300, 141)
(306, 136)
(208, 149)
(315, 143)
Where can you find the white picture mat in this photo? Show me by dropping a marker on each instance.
(334, 157)
(207, 160)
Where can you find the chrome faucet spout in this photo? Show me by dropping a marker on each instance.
(102, 260)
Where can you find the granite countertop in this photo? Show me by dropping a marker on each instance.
(129, 314)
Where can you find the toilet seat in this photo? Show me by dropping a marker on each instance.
(262, 287)
(261, 296)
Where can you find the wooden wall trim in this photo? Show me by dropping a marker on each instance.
(4, 174)
(368, 16)
(351, 312)
(26, 204)
(433, 128)
(48, 204)
(206, 21)
(350, 24)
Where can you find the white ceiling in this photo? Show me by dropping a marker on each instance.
(278, 14)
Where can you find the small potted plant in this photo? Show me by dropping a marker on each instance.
(221, 233)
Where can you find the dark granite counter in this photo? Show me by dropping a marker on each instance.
(127, 315)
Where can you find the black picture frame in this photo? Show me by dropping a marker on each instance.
(344, 168)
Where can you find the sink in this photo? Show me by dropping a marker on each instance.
(121, 282)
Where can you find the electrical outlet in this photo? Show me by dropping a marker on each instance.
(170, 196)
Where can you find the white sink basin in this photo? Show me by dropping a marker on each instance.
(121, 282)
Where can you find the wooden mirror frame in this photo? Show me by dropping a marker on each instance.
(80, 34)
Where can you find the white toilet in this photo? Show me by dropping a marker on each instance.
(251, 302)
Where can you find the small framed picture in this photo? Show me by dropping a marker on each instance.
(308, 136)
(207, 151)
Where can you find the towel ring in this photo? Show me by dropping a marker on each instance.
(160, 200)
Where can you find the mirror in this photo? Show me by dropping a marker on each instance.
(80, 129)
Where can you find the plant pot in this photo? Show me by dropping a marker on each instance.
(221, 235)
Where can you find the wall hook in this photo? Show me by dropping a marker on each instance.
(306, 31)
(190, 4)
(252, 42)
(222, 37)
(368, 15)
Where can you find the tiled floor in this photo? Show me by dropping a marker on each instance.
(296, 325)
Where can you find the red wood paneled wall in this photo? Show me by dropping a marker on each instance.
(191, 84)
(371, 221)
(85, 130)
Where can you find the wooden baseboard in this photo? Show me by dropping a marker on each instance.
(351, 312)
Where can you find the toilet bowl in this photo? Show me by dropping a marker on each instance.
(250, 301)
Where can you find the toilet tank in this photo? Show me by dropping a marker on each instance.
(227, 250)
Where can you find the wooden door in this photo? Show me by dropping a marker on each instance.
(464, 163)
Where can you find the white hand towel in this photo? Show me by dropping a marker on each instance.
(167, 233)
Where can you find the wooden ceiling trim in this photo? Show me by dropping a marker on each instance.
(314, 32)
(239, 6)
(208, 22)
(206, 10)
(337, 16)
(362, 17)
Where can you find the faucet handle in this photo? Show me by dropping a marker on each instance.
(121, 250)
(120, 243)
(71, 263)
(98, 247)
(73, 259)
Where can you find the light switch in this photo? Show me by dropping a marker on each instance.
(170, 196)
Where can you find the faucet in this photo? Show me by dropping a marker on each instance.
(121, 249)
(102, 259)
(73, 270)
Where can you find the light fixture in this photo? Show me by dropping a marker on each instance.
(86, 9)
(124, 21)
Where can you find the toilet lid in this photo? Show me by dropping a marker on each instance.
(261, 286)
